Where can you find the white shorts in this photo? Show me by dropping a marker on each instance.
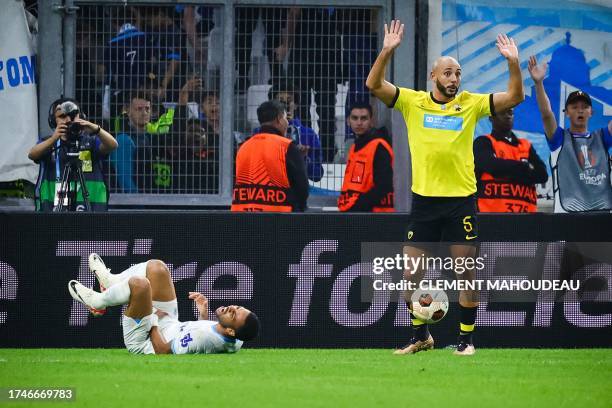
(140, 269)
(136, 335)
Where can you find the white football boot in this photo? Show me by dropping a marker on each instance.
(85, 296)
(465, 349)
(103, 274)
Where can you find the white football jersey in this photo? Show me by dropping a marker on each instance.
(201, 337)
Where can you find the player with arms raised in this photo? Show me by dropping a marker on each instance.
(150, 322)
(441, 128)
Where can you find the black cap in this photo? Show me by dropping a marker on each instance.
(576, 96)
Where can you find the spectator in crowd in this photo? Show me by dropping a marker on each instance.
(211, 117)
(579, 158)
(133, 136)
(368, 179)
(507, 168)
(92, 144)
(199, 164)
(206, 124)
(127, 60)
(160, 123)
(169, 57)
(208, 110)
(306, 138)
(185, 166)
(188, 161)
(270, 171)
(211, 122)
(319, 48)
(197, 22)
(314, 47)
(277, 26)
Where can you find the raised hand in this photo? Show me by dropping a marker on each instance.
(191, 85)
(393, 34)
(506, 46)
(201, 303)
(537, 72)
(60, 131)
(86, 124)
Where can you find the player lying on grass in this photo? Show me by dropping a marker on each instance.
(150, 322)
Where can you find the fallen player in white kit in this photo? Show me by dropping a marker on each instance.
(150, 322)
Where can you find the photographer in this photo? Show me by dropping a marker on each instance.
(75, 145)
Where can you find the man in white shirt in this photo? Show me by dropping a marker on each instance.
(150, 322)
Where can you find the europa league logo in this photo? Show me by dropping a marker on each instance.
(585, 154)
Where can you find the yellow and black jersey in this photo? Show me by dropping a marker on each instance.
(440, 137)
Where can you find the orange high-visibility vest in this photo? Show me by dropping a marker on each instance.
(498, 195)
(359, 177)
(261, 175)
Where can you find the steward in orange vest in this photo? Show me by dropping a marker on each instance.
(270, 170)
(507, 169)
(368, 178)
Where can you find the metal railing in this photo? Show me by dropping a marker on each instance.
(178, 86)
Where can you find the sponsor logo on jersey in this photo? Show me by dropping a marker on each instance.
(442, 122)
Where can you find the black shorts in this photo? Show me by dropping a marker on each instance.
(443, 219)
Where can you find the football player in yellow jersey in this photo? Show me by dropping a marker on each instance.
(441, 127)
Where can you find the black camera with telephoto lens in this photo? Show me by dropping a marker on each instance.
(74, 130)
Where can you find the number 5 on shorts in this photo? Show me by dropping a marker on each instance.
(468, 227)
(467, 224)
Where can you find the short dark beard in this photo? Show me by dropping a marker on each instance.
(443, 90)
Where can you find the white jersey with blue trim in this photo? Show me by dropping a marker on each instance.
(201, 337)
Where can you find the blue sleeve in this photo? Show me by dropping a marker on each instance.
(121, 158)
(607, 138)
(314, 157)
(97, 144)
(45, 156)
(556, 141)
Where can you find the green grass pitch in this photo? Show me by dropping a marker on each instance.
(317, 378)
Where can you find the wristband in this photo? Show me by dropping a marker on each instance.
(154, 320)
(97, 132)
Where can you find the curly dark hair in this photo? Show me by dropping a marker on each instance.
(250, 328)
